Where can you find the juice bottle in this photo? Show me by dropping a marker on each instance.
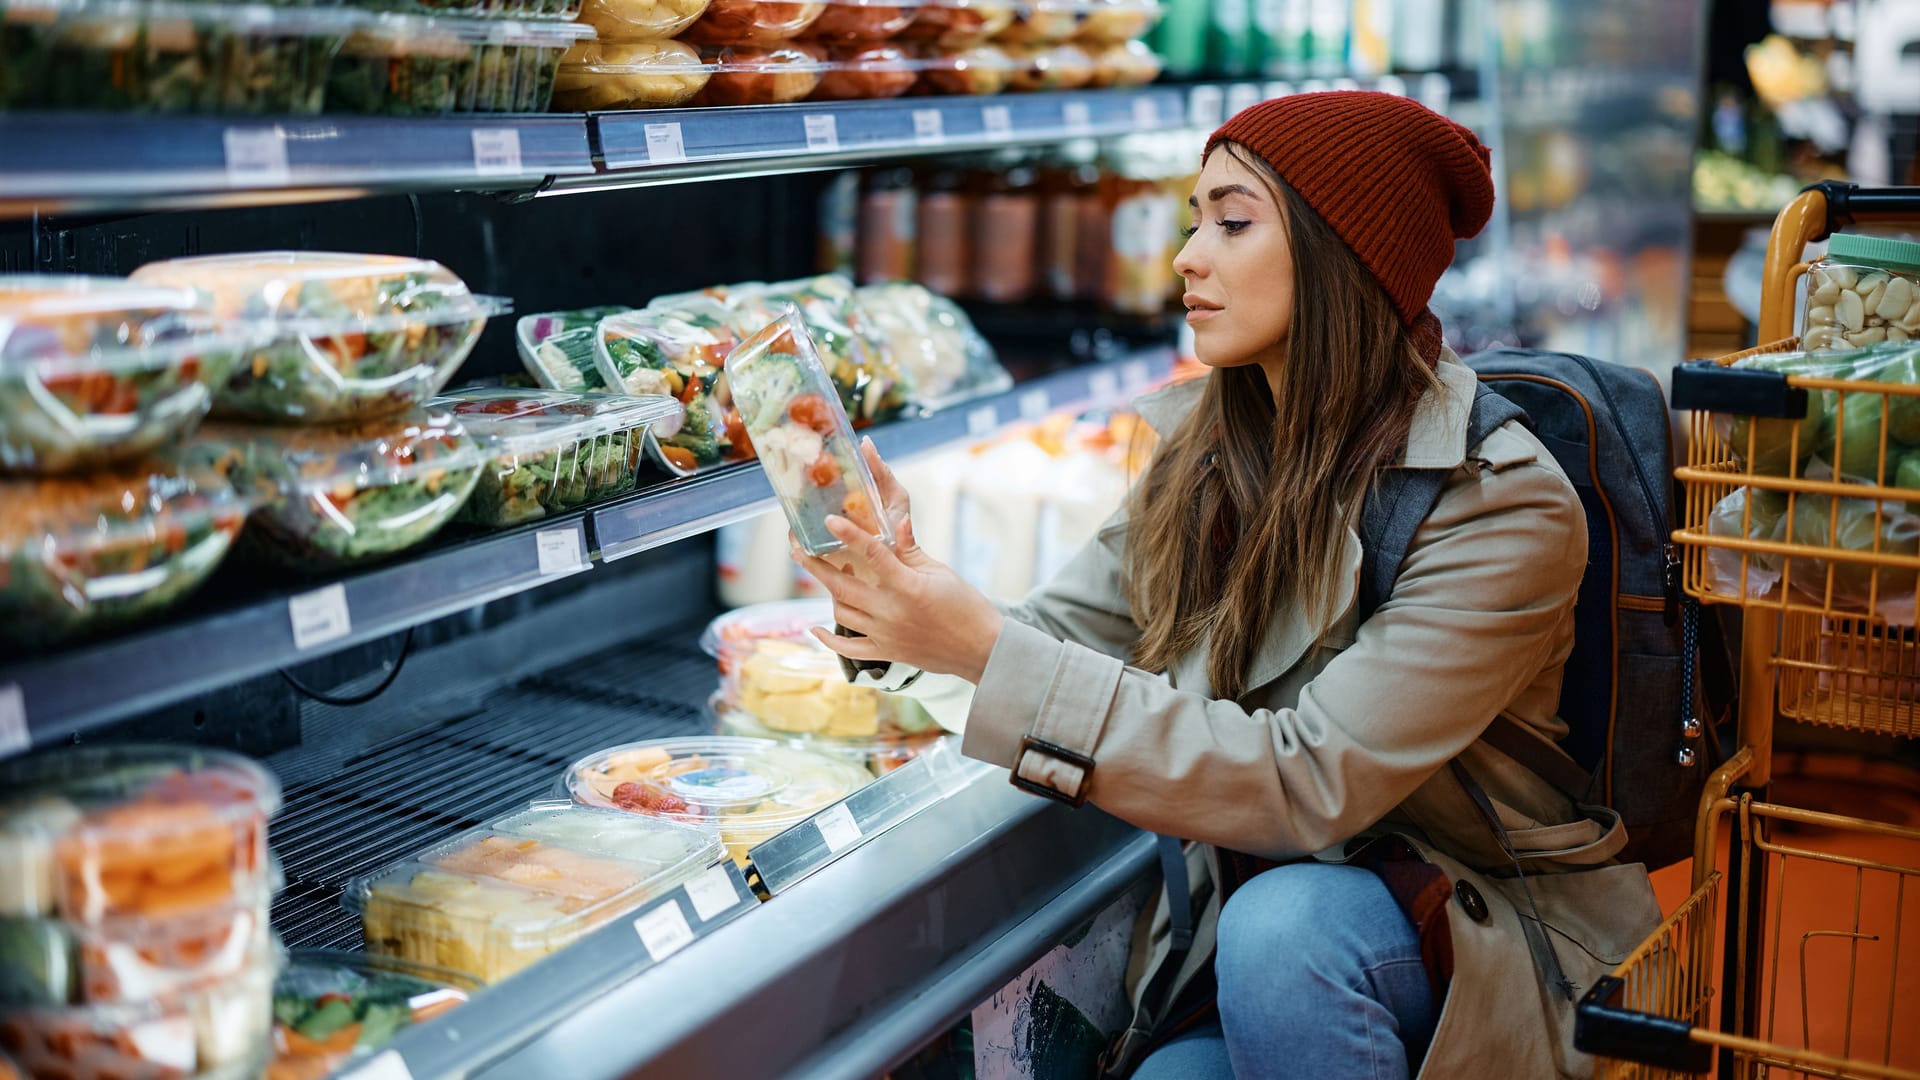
(1006, 214)
(943, 231)
(888, 226)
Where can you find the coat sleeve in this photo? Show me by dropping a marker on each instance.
(1086, 601)
(1473, 619)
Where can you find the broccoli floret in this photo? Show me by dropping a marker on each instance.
(703, 434)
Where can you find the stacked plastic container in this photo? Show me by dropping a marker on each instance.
(334, 1008)
(135, 884)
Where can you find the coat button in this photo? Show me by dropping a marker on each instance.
(1471, 901)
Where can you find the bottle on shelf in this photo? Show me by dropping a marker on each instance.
(1006, 213)
(1067, 177)
(944, 230)
(889, 226)
(1139, 274)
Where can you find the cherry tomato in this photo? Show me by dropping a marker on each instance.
(812, 411)
(824, 471)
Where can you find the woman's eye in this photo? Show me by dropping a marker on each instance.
(1189, 231)
(1233, 226)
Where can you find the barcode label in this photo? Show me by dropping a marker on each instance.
(712, 894)
(822, 132)
(981, 422)
(559, 551)
(1035, 405)
(496, 151)
(998, 120)
(838, 828)
(256, 157)
(13, 720)
(665, 144)
(319, 616)
(663, 931)
(1205, 106)
(929, 128)
(1079, 118)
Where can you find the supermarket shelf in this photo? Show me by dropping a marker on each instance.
(218, 643)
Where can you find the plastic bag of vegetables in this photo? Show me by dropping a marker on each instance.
(1841, 526)
(933, 343)
(850, 342)
(1855, 430)
(1747, 514)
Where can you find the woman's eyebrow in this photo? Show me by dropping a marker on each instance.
(1225, 190)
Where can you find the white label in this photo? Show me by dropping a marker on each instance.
(1205, 106)
(1392, 84)
(559, 551)
(1133, 375)
(1145, 115)
(838, 828)
(1436, 92)
(1241, 97)
(981, 422)
(13, 720)
(256, 156)
(1035, 405)
(1104, 386)
(664, 930)
(496, 151)
(319, 616)
(1078, 118)
(665, 146)
(928, 127)
(386, 1065)
(998, 120)
(712, 894)
(822, 132)
(1277, 90)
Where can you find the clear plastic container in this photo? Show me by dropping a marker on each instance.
(641, 20)
(330, 1008)
(218, 1032)
(1865, 291)
(762, 75)
(1111, 22)
(494, 899)
(802, 437)
(969, 70)
(772, 668)
(337, 496)
(557, 10)
(556, 347)
(96, 371)
(879, 753)
(866, 72)
(549, 452)
(753, 22)
(849, 21)
(1045, 22)
(1049, 67)
(137, 959)
(424, 65)
(1131, 63)
(956, 24)
(678, 350)
(134, 56)
(848, 344)
(131, 831)
(39, 963)
(939, 353)
(604, 75)
(348, 336)
(749, 789)
(81, 553)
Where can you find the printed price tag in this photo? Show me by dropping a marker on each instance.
(998, 120)
(256, 157)
(1392, 84)
(981, 422)
(559, 551)
(1146, 115)
(1077, 116)
(838, 828)
(496, 151)
(1035, 405)
(13, 720)
(386, 1065)
(319, 616)
(929, 128)
(664, 930)
(1242, 96)
(1104, 385)
(1278, 90)
(822, 132)
(712, 894)
(665, 144)
(1133, 376)
(1435, 92)
(1205, 106)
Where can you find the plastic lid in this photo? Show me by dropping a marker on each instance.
(354, 293)
(60, 322)
(887, 750)
(102, 777)
(410, 29)
(1874, 249)
(373, 453)
(729, 782)
(256, 19)
(510, 421)
(60, 516)
(789, 56)
(731, 635)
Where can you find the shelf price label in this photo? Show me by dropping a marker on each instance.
(559, 551)
(1242, 96)
(665, 144)
(496, 151)
(13, 720)
(823, 132)
(319, 616)
(1034, 406)
(1077, 117)
(1392, 84)
(1205, 106)
(929, 128)
(998, 121)
(664, 930)
(386, 1065)
(1146, 115)
(256, 156)
(981, 422)
(712, 894)
(1134, 376)
(1103, 385)
(838, 828)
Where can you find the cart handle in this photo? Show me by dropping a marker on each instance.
(1814, 214)
(1851, 204)
(1601, 1027)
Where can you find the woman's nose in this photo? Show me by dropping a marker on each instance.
(1188, 264)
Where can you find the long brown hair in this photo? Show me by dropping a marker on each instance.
(1243, 508)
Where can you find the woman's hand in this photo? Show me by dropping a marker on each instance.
(912, 608)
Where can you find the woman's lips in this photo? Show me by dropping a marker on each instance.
(1201, 314)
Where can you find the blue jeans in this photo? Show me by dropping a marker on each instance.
(1320, 976)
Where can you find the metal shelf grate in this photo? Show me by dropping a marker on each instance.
(386, 802)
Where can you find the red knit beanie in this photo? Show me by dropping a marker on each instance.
(1396, 180)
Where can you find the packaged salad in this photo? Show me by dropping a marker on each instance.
(330, 1008)
(424, 65)
(80, 553)
(934, 344)
(556, 347)
(548, 452)
(349, 336)
(96, 371)
(866, 72)
(747, 789)
(679, 351)
(843, 333)
(336, 496)
(752, 22)
(601, 75)
(802, 437)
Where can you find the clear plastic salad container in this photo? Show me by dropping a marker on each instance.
(549, 452)
(1864, 291)
(956, 24)
(1045, 22)
(752, 22)
(556, 347)
(865, 72)
(802, 437)
(347, 336)
(938, 351)
(137, 959)
(426, 65)
(967, 70)
(843, 332)
(80, 553)
(1111, 22)
(604, 75)
(641, 20)
(494, 899)
(749, 789)
(136, 56)
(1049, 67)
(1129, 63)
(762, 74)
(336, 496)
(96, 371)
(39, 962)
(678, 351)
(330, 1007)
(849, 21)
(132, 831)
(222, 1031)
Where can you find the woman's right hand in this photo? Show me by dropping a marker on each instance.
(894, 502)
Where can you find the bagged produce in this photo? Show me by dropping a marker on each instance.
(1731, 516)
(939, 353)
(1843, 429)
(845, 335)
(1852, 525)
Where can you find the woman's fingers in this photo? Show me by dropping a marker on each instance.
(881, 562)
(852, 618)
(891, 493)
(853, 648)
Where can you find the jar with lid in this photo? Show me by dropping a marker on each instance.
(1007, 228)
(1066, 179)
(1141, 226)
(942, 228)
(1864, 291)
(888, 226)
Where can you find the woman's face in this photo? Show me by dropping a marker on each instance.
(1238, 267)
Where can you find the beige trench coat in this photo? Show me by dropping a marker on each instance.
(1355, 740)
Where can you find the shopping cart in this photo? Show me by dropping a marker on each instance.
(1786, 898)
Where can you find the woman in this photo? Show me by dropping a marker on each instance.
(1200, 669)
